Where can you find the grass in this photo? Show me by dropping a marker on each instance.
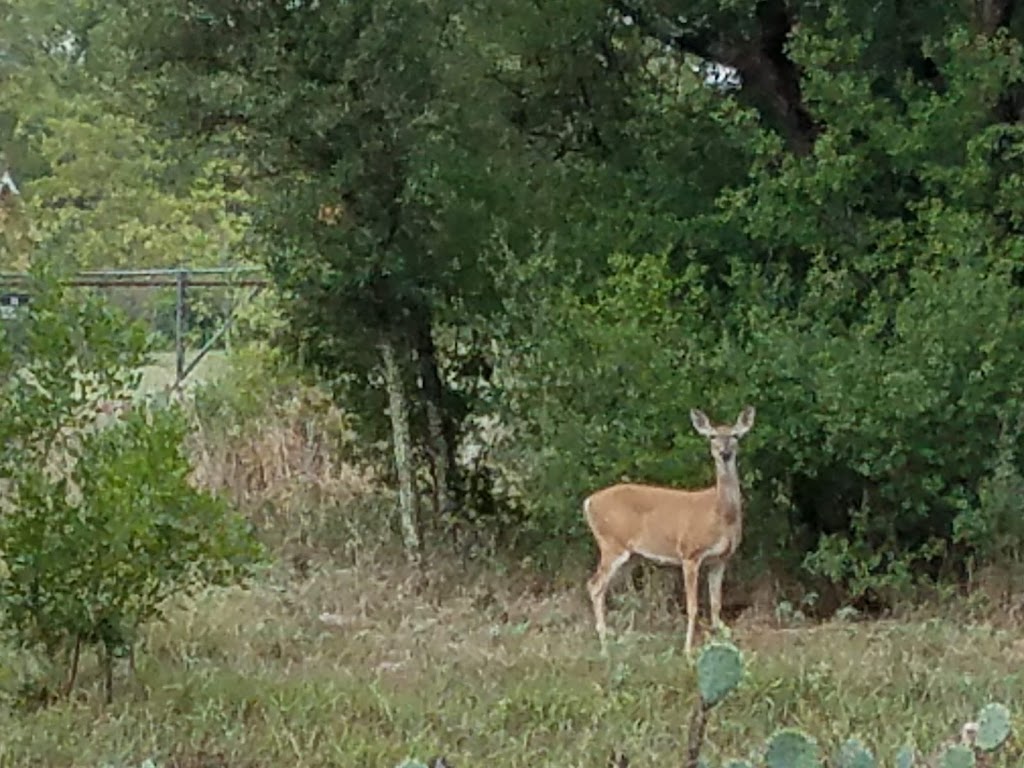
(159, 373)
(481, 671)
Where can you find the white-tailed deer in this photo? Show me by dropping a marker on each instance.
(673, 527)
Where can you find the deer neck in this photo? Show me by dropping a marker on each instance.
(730, 501)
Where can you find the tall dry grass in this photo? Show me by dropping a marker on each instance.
(286, 455)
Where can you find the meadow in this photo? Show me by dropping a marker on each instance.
(337, 654)
(351, 667)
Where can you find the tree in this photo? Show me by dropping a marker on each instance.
(823, 287)
(379, 162)
(89, 167)
(100, 188)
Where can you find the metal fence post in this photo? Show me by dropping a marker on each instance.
(179, 328)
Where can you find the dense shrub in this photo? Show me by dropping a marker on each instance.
(99, 522)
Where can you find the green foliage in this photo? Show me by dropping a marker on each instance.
(89, 167)
(605, 391)
(101, 522)
(719, 670)
(836, 240)
(829, 290)
(71, 351)
(377, 202)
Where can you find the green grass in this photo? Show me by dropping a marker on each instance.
(487, 674)
(159, 374)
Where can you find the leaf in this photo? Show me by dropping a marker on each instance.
(854, 753)
(905, 756)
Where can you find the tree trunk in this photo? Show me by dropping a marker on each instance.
(108, 674)
(398, 407)
(76, 654)
(440, 447)
(991, 15)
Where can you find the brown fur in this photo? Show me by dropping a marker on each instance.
(673, 526)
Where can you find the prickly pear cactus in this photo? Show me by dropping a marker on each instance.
(738, 764)
(854, 753)
(791, 748)
(905, 757)
(957, 756)
(993, 727)
(719, 669)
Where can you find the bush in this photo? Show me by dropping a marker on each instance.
(99, 523)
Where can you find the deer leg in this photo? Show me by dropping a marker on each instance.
(691, 573)
(716, 573)
(598, 586)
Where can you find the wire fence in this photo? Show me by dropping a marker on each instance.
(174, 313)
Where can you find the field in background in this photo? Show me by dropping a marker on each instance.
(159, 374)
(485, 672)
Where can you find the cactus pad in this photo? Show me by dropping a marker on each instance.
(738, 764)
(791, 748)
(854, 753)
(993, 727)
(957, 756)
(905, 757)
(719, 669)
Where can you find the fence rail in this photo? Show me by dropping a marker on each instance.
(172, 275)
(182, 278)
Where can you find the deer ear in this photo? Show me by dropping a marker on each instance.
(744, 422)
(700, 422)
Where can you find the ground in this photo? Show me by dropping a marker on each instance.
(354, 667)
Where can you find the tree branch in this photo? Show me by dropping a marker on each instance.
(770, 79)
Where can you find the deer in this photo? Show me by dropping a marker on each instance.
(671, 526)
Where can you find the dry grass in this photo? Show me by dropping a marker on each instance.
(482, 669)
(294, 472)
